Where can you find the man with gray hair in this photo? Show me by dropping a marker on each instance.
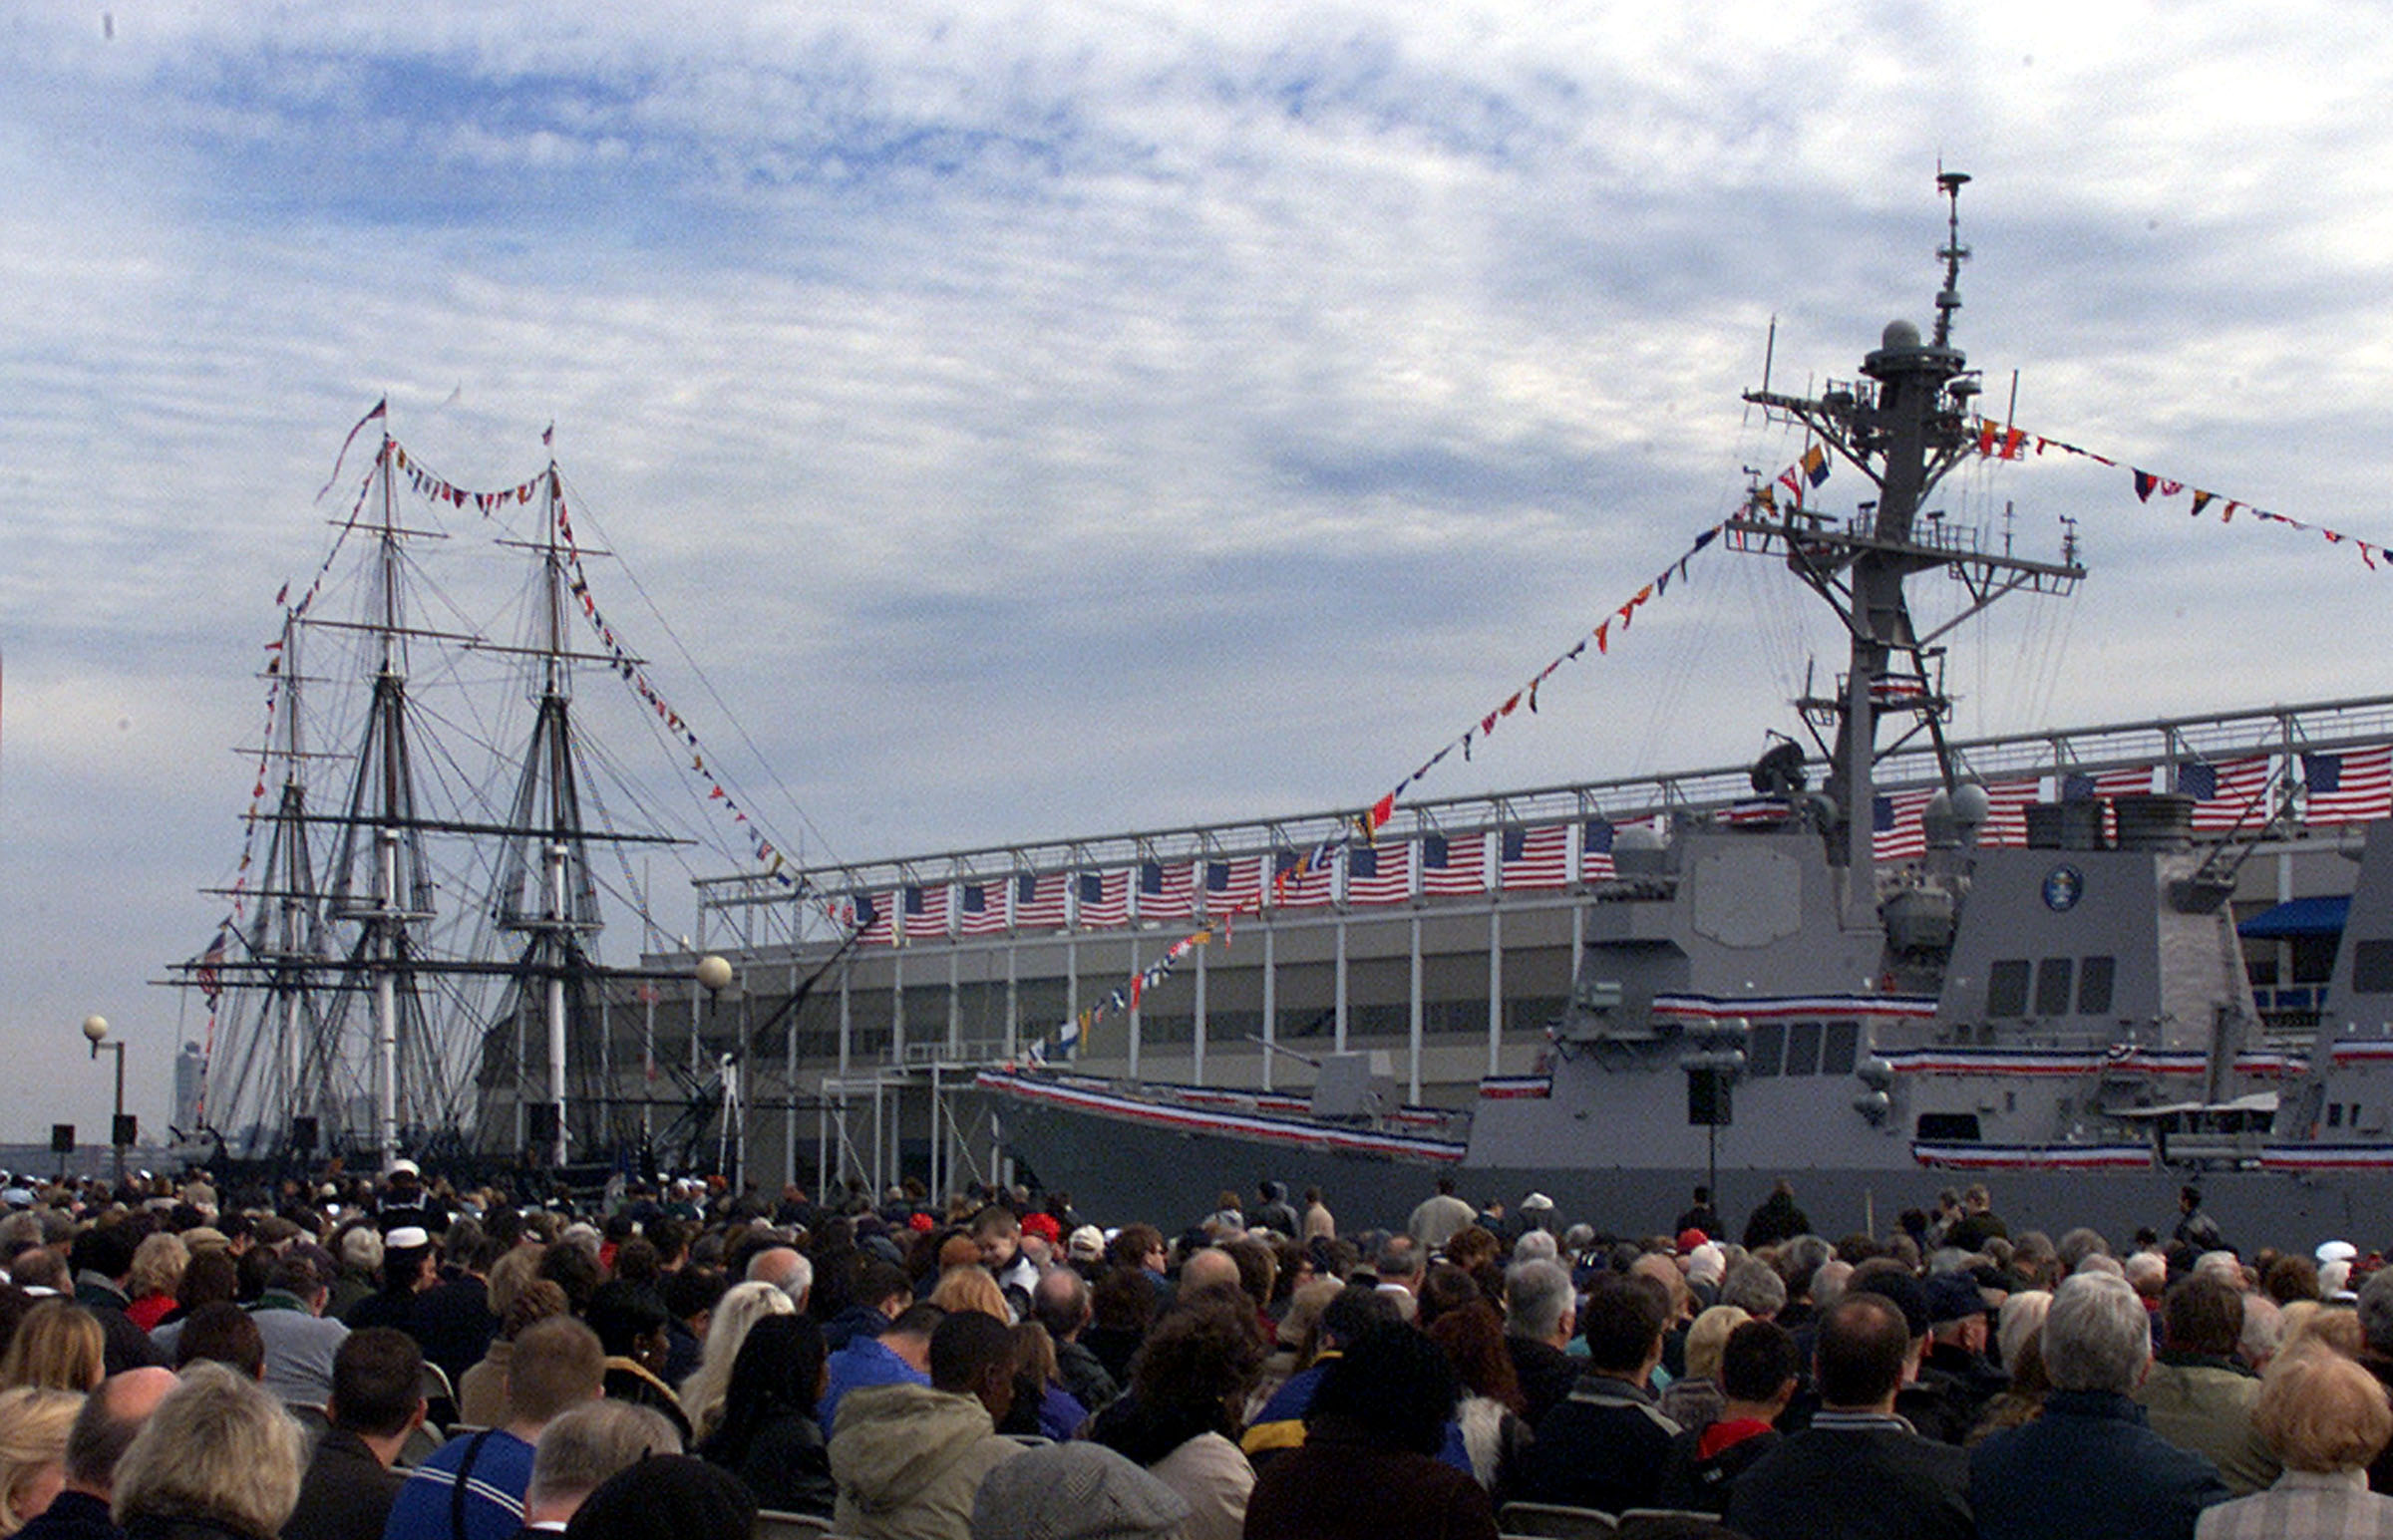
(785, 1268)
(1754, 1288)
(581, 1448)
(1540, 1311)
(2090, 1465)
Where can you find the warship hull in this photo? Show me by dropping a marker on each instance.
(1119, 1170)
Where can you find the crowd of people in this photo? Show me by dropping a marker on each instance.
(347, 1358)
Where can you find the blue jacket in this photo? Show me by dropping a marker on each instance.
(863, 1361)
(2089, 1466)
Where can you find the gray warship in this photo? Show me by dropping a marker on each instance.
(1759, 997)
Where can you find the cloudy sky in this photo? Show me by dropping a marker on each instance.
(1021, 420)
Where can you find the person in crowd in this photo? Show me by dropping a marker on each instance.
(1437, 1217)
(582, 1449)
(898, 1355)
(1123, 1305)
(1977, 1223)
(635, 1332)
(768, 1436)
(2019, 1333)
(879, 1295)
(2372, 1323)
(1042, 1407)
(1758, 1373)
(102, 1429)
(742, 1307)
(997, 1231)
(102, 1260)
(2199, 1394)
(557, 1365)
(482, 1394)
(34, 1424)
(2089, 1465)
(454, 1318)
(222, 1332)
(1858, 1472)
(409, 1267)
(910, 1459)
(1179, 1418)
(1080, 1491)
(1695, 1397)
(1276, 1213)
(1281, 1424)
(158, 1267)
(785, 1268)
(1754, 1287)
(1778, 1219)
(1700, 1215)
(1604, 1446)
(1541, 1316)
(1956, 1348)
(2325, 1418)
(59, 1346)
(300, 1344)
(665, 1497)
(219, 1459)
(1493, 1412)
(376, 1401)
(359, 1246)
(971, 1288)
(1060, 1303)
(1369, 1466)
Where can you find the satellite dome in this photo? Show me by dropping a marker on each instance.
(1899, 334)
(1637, 837)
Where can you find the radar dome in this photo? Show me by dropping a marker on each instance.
(1899, 334)
(1637, 837)
(1971, 804)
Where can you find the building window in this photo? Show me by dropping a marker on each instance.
(2335, 1115)
(1839, 1047)
(2372, 967)
(2093, 984)
(1803, 1048)
(1949, 1127)
(1765, 1049)
(2052, 985)
(2006, 988)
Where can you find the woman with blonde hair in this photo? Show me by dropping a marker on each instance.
(1694, 1399)
(58, 1346)
(2325, 1417)
(157, 1265)
(971, 1288)
(218, 1459)
(740, 1309)
(34, 1422)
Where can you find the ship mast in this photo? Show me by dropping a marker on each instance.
(560, 913)
(1905, 426)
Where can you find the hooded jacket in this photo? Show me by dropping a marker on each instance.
(909, 1459)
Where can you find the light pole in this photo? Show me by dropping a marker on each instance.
(95, 1028)
(714, 974)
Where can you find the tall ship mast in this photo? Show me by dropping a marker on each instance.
(417, 972)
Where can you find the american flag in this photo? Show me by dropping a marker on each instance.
(2226, 794)
(873, 912)
(1293, 889)
(1454, 863)
(1595, 851)
(2006, 815)
(1165, 890)
(2349, 788)
(1379, 874)
(1104, 899)
(926, 910)
(1039, 900)
(1896, 833)
(1234, 887)
(983, 909)
(1536, 859)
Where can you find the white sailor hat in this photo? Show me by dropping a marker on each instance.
(2338, 1251)
(407, 1237)
(406, 1168)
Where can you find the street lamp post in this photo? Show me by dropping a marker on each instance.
(714, 975)
(95, 1028)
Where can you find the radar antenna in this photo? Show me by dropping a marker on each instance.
(1954, 253)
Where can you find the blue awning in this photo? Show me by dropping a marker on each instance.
(2318, 916)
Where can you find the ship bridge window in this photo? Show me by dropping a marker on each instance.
(2094, 978)
(2006, 988)
(1803, 1048)
(1839, 1047)
(1765, 1049)
(2335, 1115)
(1949, 1127)
(2052, 985)
(2372, 967)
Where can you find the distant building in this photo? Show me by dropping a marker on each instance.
(191, 1079)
